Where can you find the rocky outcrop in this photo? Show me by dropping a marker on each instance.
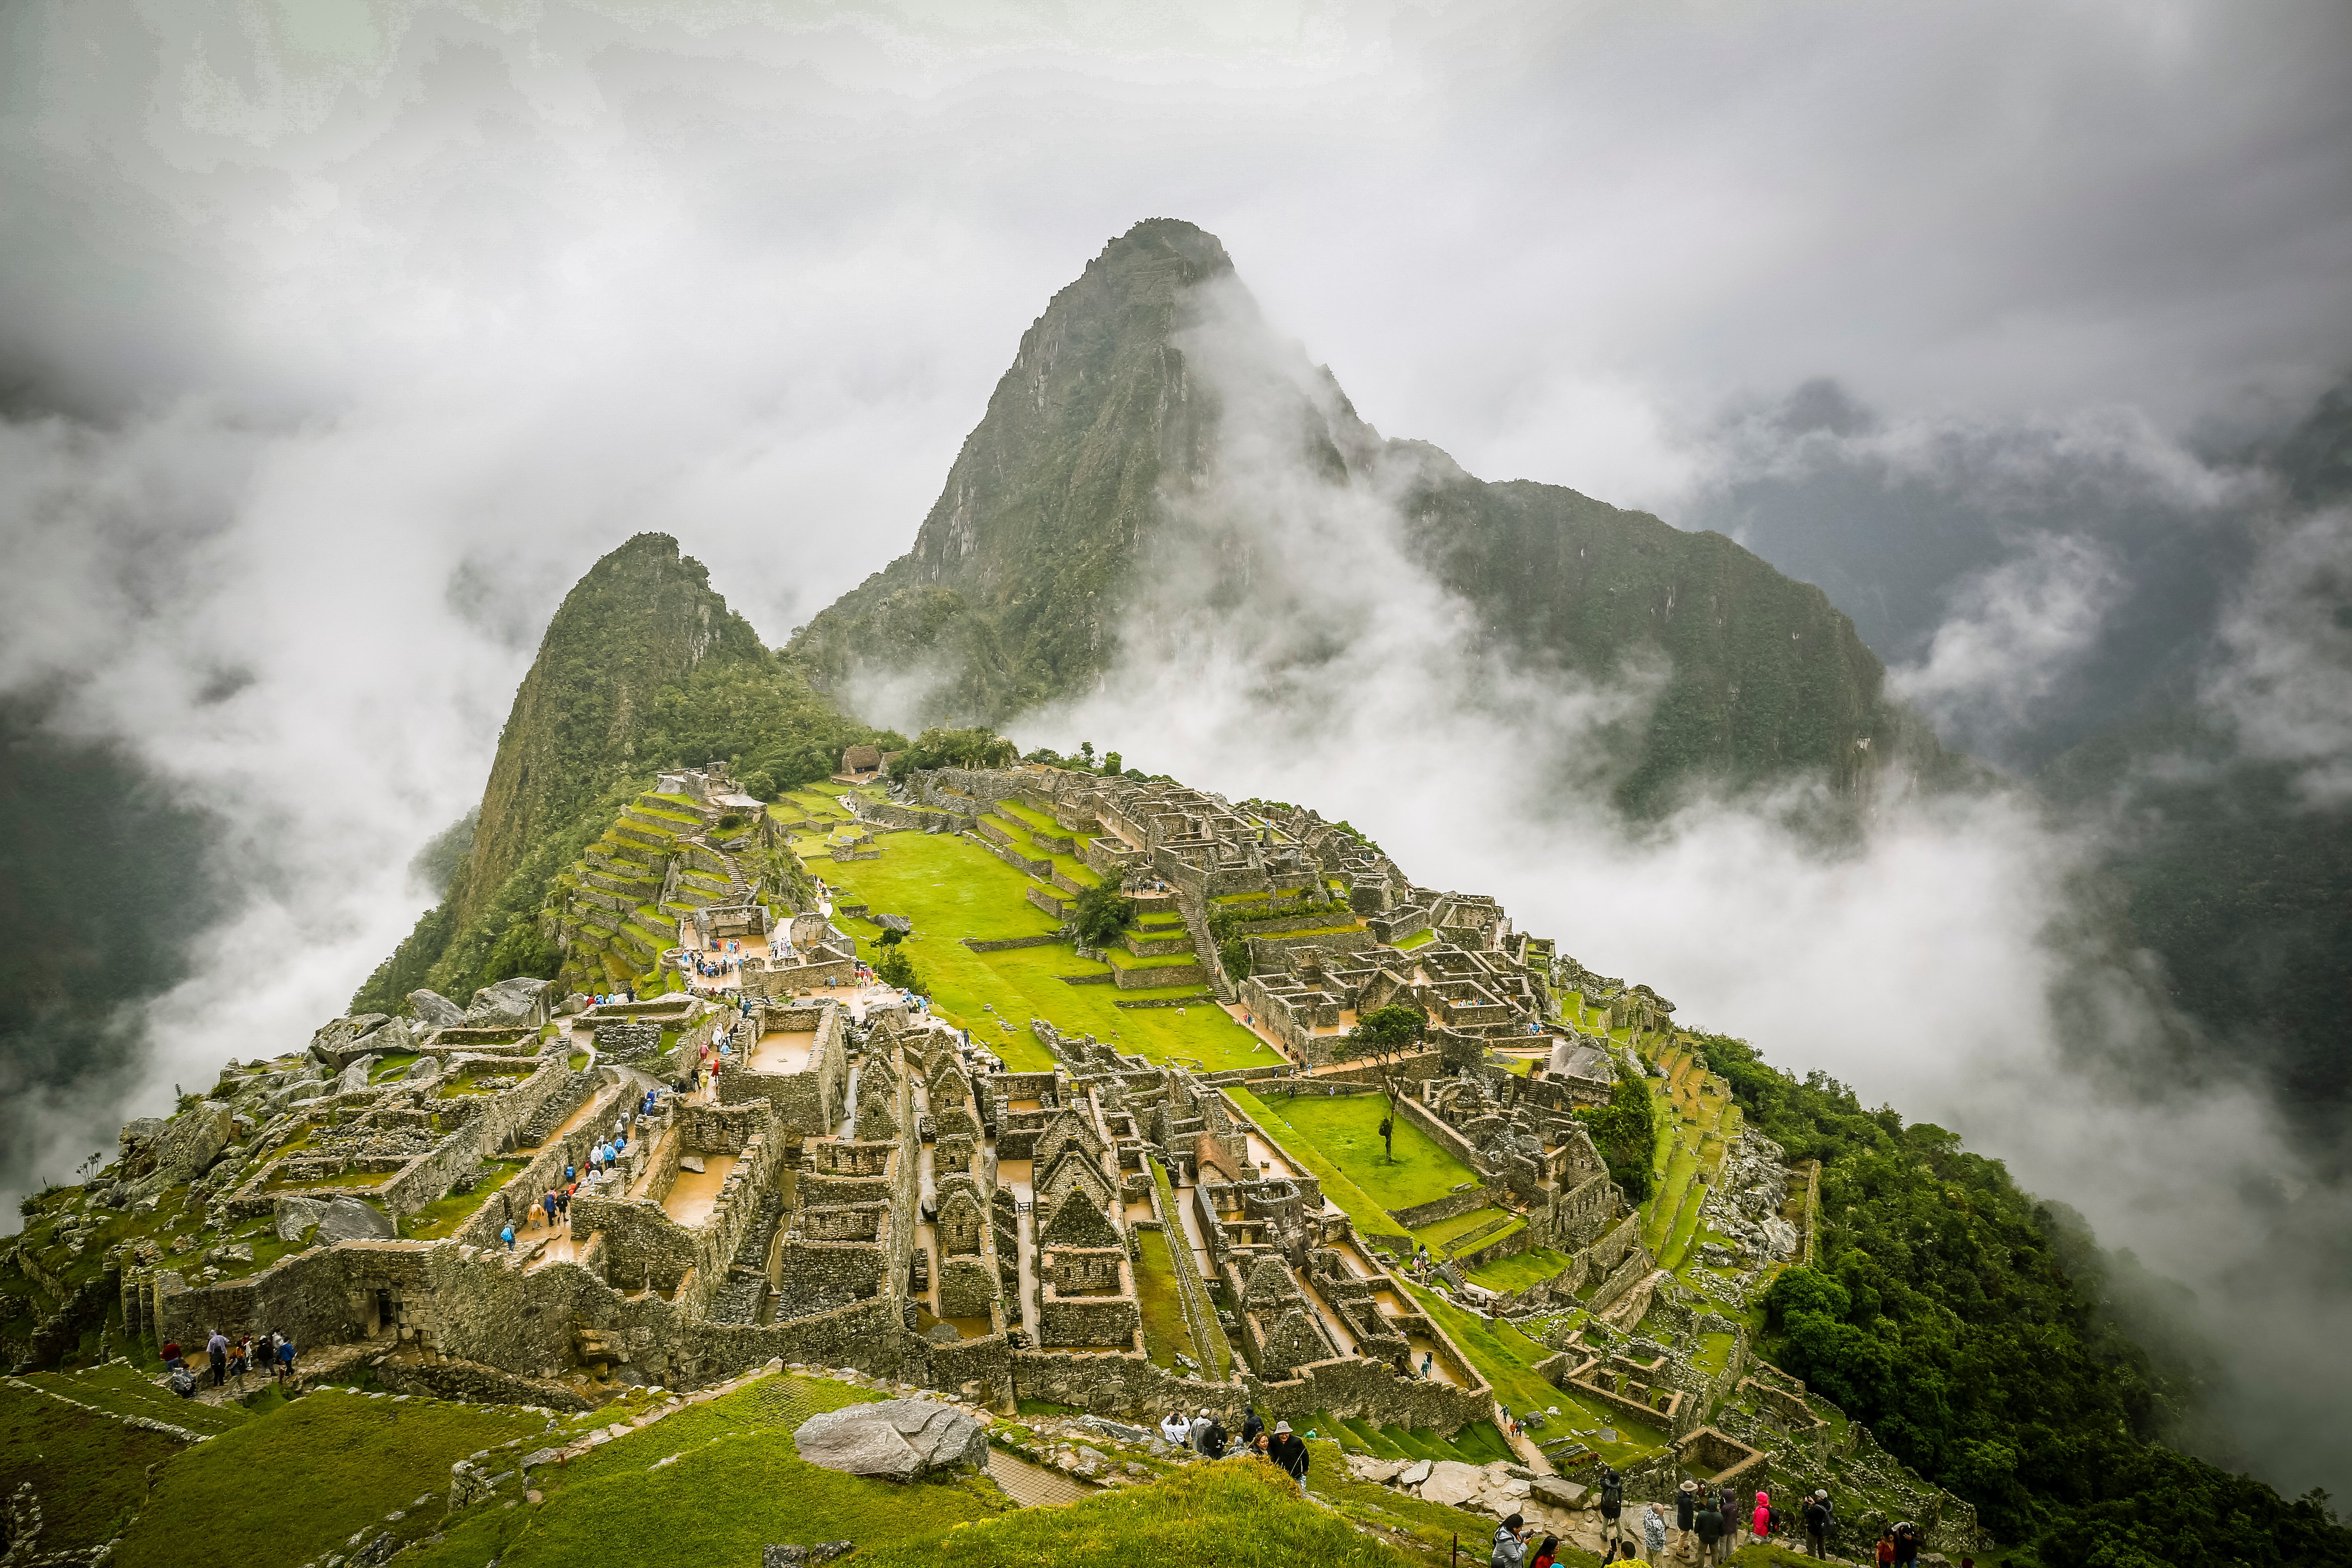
(507, 1004)
(435, 1011)
(900, 1439)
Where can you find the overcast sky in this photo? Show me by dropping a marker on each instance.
(336, 340)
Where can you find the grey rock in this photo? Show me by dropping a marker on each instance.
(897, 1438)
(1412, 1475)
(573, 1004)
(827, 1550)
(190, 1140)
(394, 1039)
(508, 1002)
(942, 1334)
(434, 1010)
(690, 1162)
(355, 1076)
(235, 1252)
(348, 1219)
(422, 1067)
(784, 1557)
(1117, 1430)
(1557, 1492)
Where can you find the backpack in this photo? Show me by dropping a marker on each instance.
(182, 1383)
(1613, 1495)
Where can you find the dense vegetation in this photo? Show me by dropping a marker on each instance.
(1100, 913)
(940, 748)
(1626, 1132)
(1942, 1311)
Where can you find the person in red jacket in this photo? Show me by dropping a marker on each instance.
(1761, 1522)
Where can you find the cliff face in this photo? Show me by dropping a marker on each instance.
(1132, 470)
(1016, 573)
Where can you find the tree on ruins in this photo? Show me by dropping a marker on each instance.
(1100, 913)
(1385, 1036)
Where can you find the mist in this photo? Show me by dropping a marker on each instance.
(337, 340)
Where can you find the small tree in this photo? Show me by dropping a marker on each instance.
(893, 966)
(1385, 1036)
(1110, 765)
(1087, 752)
(1100, 913)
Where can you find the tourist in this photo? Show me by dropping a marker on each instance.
(1288, 1452)
(217, 1352)
(1612, 1498)
(1685, 1517)
(1176, 1428)
(1428, 1365)
(548, 1203)
(1886, 1549)
(240, 1356)
(285, 1358)
(1253, 1428)
(1208, 1437)
(570, 1174)
(1760, 1521)
(1818, 1520)
(1548, 1554)
(1710, 1525)
(563, 1203)
(507, 1235)
(1907, 1544)
(1653, 1535)
(171, 1354)
(1511, 1543)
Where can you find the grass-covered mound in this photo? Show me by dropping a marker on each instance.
(292, 1484)
(88, 1472)
(710, 1484)
(1243, 1513)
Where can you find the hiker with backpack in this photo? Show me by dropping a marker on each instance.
(1208, 1437)
(1710, 1525)
(1819, 1519)
(1612, 1504)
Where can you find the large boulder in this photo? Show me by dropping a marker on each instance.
(899, 1439)
(507, 1004)
(190, 1140)
(338, 1039)
(355, 1076)
(348, 1219)
(295, 1215)
(1453, 1483)
(435, 1011)
(422, 1067)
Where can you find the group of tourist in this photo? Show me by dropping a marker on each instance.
(1707, 1525)
(226, 1359)
(1207, 1435)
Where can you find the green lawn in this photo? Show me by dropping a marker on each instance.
(1347, 1130)
(127, 1391)
(1164, 1329)
(733, 1483)
(1438, 1237)
(308, 1475)
(1243, 1513)
(1370, 1217)
(88, 1472)
(1519, 1270)
(950, 887)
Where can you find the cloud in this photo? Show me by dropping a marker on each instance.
(2013, 633)
(2283, 674)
